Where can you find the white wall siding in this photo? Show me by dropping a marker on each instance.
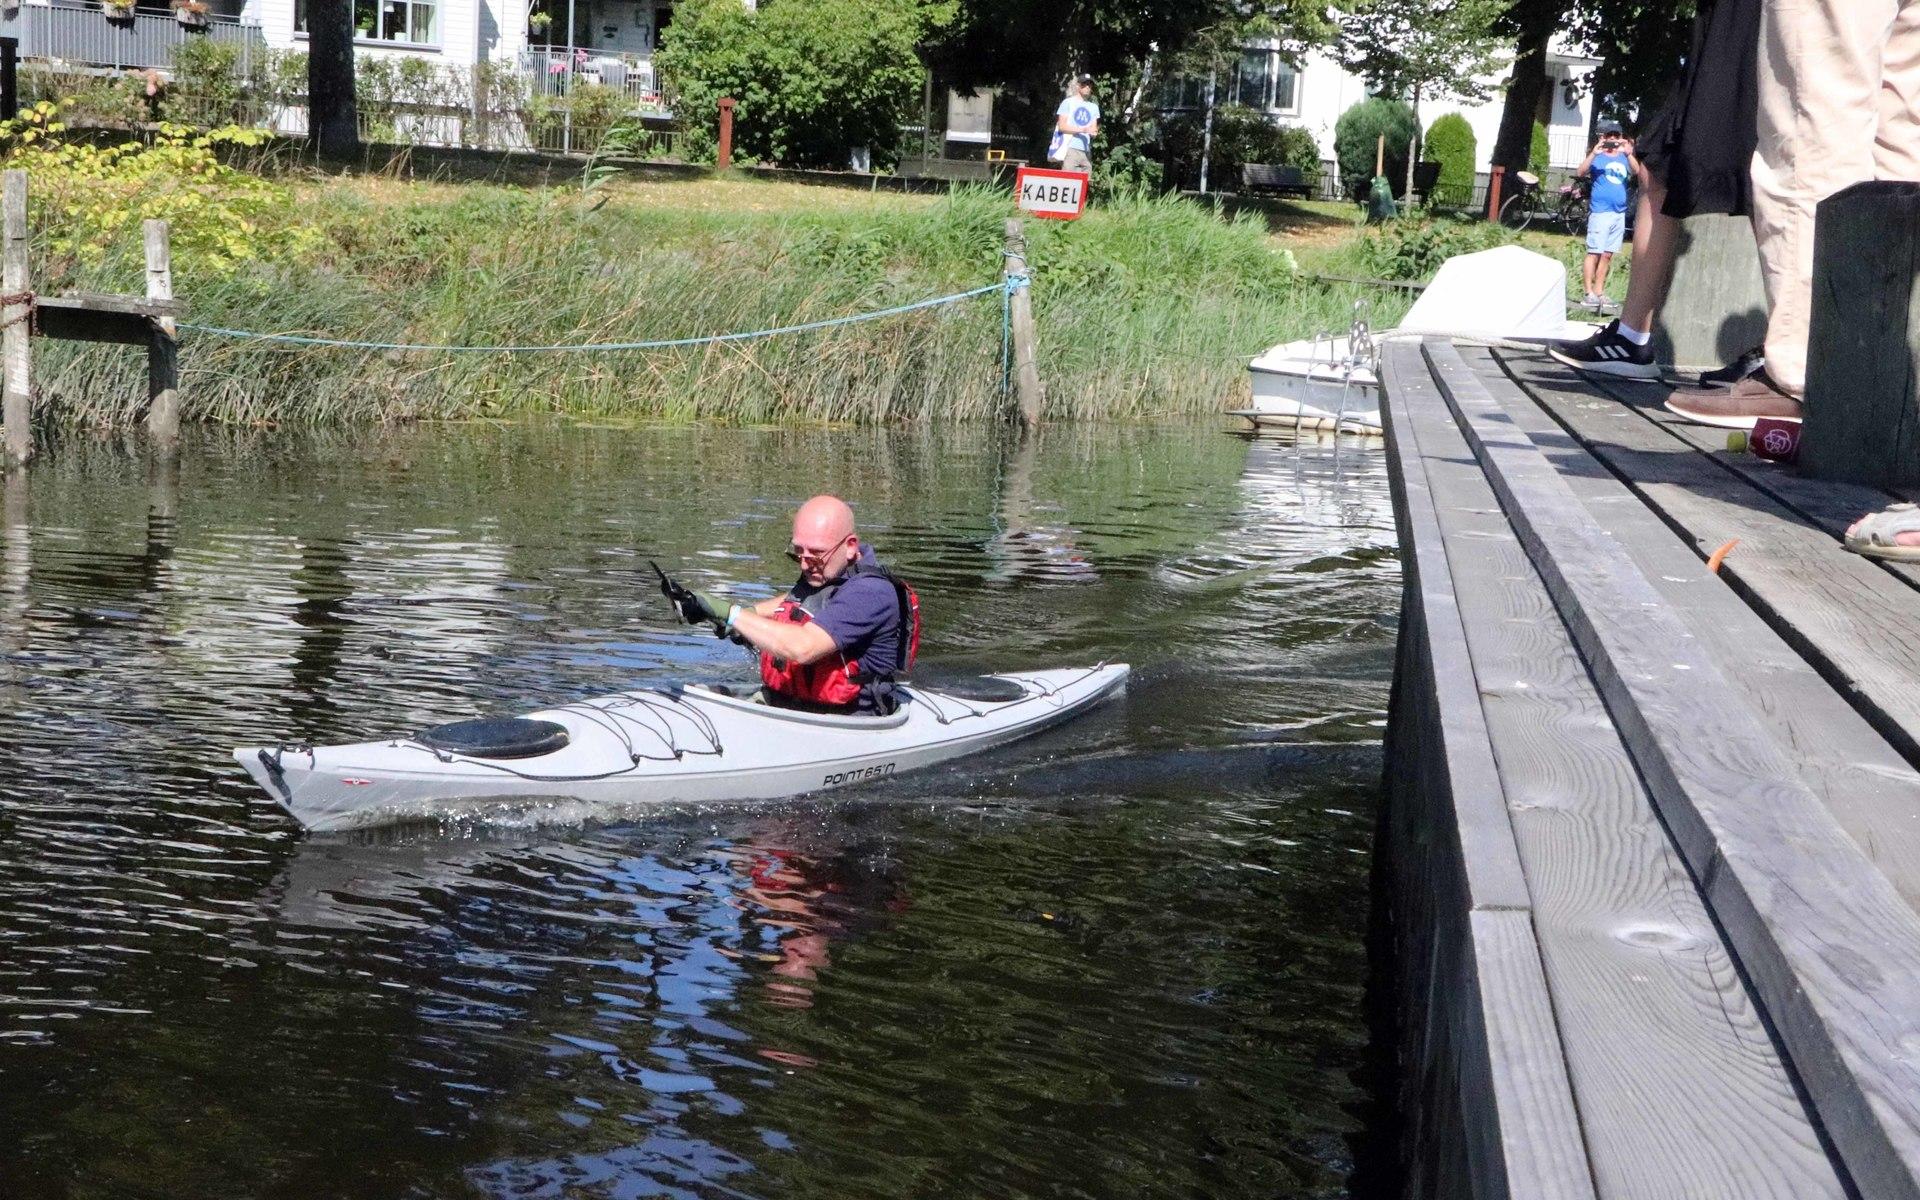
(456, 34)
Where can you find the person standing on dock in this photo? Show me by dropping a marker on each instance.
(1838, 104)
(838, 637)
(1696, 157)
(1077, 121)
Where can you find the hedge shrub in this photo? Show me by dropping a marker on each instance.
(1450, 142)
(1357, 132)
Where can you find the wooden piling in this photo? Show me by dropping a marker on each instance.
(163, 349)
(723, 161)
(1494, 179)
(1026, 369)
(16, 316)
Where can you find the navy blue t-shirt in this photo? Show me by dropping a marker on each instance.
(862, 616)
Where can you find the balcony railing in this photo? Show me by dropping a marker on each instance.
(553, 70)
(83, 35)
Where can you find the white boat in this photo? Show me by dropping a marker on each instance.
(688, 744)
(1331, 382)
(1327, 382)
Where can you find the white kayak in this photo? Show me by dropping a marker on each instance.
(675, 745)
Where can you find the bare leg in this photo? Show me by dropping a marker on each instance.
(1600, 274)
(1586, 272)
(1656, 239)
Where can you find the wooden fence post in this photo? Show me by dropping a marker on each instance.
(725, 159)
(1494, 175)
(163, 350)
(16, 315)
(1026, 370)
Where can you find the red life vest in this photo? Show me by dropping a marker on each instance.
(836, 681)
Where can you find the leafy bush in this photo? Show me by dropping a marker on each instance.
(1539, 153)
(110, 100)
(1357, 133)
(92, 198)
(1414, 248)
(1240, 135)
(813, 80)
(1126, 171)
(1450, 143)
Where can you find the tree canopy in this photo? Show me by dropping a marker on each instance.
(1437, 49)
(812, 80)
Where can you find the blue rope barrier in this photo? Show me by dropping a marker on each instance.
(1005, 287)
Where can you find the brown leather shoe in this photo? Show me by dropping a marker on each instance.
(1738, 407)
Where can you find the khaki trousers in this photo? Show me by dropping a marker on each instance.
(1839, 103)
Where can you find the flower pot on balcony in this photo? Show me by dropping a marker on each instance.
(119, 14)
(190, 13)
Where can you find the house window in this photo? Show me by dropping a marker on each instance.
(1263, 80)
(1253, 81)
(1260, 79)
(1286, 88)
(408, 22)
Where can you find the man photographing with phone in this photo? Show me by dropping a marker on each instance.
(1611, 166)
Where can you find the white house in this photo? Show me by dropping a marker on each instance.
(464, 32)
(1314, 95)
(613, 40)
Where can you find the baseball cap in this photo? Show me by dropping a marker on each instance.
(1609, 127)
(1086, 79)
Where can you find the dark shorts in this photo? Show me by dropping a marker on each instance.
(1700, 143)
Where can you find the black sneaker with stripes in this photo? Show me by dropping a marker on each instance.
(1608, 353)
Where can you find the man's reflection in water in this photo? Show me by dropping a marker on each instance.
(805, 903)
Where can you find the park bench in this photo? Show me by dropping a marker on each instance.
(1266, 177)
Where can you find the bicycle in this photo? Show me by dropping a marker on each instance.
(1518, 210)
(1528, 203)
(1575, 204)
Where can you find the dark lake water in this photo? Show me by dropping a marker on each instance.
(1122, 959)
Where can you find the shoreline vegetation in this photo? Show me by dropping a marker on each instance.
(1147, 308)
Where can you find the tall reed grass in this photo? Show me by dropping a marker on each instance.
(1146, 308)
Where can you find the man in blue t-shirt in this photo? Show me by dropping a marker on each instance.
(1075, 123)
(1612, 167)
(837, 638)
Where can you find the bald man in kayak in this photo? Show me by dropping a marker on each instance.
(837, 638)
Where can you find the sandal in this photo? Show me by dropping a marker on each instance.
(1874, 535)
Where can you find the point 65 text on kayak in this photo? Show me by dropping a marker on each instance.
(857, 774)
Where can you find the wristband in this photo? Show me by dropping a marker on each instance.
(733, 610)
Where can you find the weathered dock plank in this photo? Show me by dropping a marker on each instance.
(1680, 1089)
(1870, 789)
(1848, 617)
(1829, 505)
(122, 320)
(1831, 949)
(1491, 1110)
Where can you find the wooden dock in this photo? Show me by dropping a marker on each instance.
(1650, 856)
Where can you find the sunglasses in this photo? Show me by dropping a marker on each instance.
(801, 554)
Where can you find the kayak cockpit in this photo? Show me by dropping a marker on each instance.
(758, 706)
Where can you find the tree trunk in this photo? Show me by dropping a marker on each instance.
(333, 123)
(1206, 135)
(1513, 146)
(1413, 146)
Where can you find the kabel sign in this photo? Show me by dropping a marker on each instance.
(1060, 195)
